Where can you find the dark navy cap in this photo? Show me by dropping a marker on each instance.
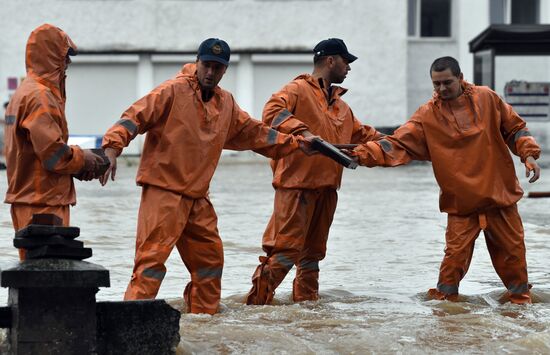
(333, 46)
(214, 49)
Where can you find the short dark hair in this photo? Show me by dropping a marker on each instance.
(444, 63)
(319, 59)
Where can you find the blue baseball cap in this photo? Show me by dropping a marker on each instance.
(333, 46)
(214, 49)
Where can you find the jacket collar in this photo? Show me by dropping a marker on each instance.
(467, 91)
(189, 72)
(337, 91)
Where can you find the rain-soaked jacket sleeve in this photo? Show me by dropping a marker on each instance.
(247, 133)
(363, 133)
(46, 136)
(138, 118)
(278, 111)
(515, 132)
(407, 143)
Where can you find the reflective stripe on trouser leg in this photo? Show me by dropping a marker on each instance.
(283, 242)
(162, 215)
(267, 277)
(306, 284)
(460, 237)
(201, 250)
(21, 216)
(447, 289)
(505, 242)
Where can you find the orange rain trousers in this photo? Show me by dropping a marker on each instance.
(21, 216)
(478, 191)
(504, 238)
(296, 235)
(167, 219)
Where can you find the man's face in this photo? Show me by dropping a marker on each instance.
(339, 68)
(210, 73)
(446, 84)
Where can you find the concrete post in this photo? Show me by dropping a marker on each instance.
(53, 305)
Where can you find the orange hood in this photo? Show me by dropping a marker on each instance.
(46, 50)
(188, 69)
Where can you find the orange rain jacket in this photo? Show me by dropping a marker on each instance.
(39, 161)
(304, 100)
(469, 153)
(185, 136)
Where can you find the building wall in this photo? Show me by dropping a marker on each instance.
(472, 19)
(269, 39)
(468, 19)
(531, 69)
(421, 54)
(373, 30)
(527, 68)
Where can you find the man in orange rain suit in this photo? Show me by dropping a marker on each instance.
(39, 162)
(465, 131)
(188, 120)
(305, 188)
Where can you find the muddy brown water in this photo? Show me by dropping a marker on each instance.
(384, 252)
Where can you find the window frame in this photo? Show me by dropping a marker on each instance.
(507, 6)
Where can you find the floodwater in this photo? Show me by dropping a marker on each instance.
(384, 252)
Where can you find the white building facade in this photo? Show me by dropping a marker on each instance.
(130, 46)
(445, 27)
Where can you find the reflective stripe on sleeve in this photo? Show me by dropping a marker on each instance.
(51, 162)
(10, 119)
(447, 289)
(280, 118)
(128, 124)
(154, 274)
(520, 134)
(386, 145)
(272, 136)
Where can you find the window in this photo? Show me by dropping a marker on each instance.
(429, 18)
(525, 11)
(514, 11)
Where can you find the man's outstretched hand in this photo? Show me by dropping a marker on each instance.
(91, 165)
(111, 171)
(532, 166)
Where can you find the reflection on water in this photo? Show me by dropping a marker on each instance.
(384, 251)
